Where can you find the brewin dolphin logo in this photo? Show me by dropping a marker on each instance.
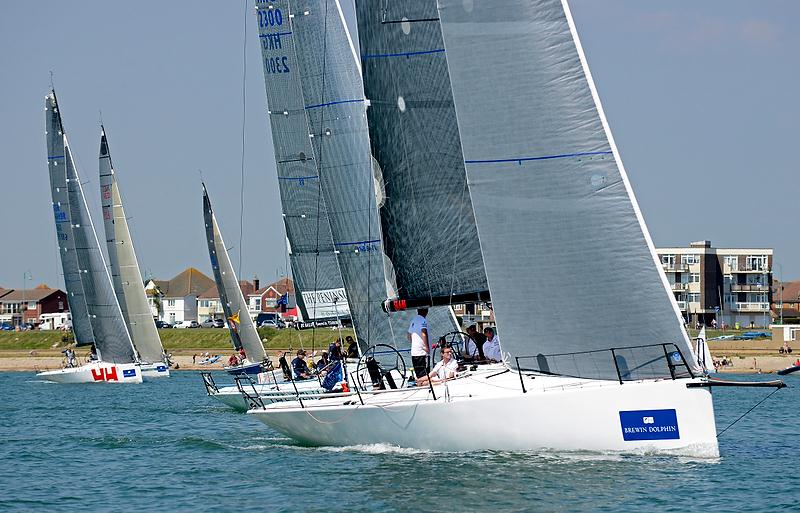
(649, 425)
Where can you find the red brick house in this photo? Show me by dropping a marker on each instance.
(26, 305)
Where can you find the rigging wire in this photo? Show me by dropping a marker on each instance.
(745, 413)
(244, 123)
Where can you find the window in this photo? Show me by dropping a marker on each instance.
(694, 297)
(730, 299)
(668, 261)
(204, 303)
(170, 302)
(257, 303)
(732, 261)
(694, 278)
(31, 305)
(757, 262)
(60, 305)
(690, 259)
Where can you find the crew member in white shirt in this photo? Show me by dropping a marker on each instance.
(444, 370)
(420, 347)
(491, 348)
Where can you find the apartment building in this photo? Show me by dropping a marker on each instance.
(730, 285)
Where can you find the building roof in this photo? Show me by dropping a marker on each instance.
(3, 291)
(190, 282)
(791, 291)
(213, 293)
(37, 294)
(283, 286)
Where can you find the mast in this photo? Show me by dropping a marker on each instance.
(237, 317)
(125, 274)
(56, 163)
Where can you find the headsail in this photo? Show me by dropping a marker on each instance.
(318, 280)
(328, 74)
(561, 232)
(237, 317)
(429, 229)
(56, 162)
(125, 274)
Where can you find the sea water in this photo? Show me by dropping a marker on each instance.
(164, 445)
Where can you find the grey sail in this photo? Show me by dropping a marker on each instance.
(111, 336)
(429, 230)
(125, 275)
(318, 280)
(240, 324)
(334, 104)
(56, 163)
(568, 258)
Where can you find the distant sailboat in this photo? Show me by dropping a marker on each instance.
(242, 330)
(96, 315)
(125, 274)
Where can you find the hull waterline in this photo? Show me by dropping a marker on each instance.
(95, 372)
(558, 414)
(154, 370)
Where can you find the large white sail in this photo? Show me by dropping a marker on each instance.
(568, 258)
(56, 162)
(125, 274)
(243, 331)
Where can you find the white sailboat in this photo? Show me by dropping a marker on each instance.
(559, 231)
(96, 315)
(125, 275)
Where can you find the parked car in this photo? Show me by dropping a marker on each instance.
(163, 325)
(212, 323)
(269, 323)
(6, 327)
(187, 324)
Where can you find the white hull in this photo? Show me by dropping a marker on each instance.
(95, 372)
(155, 370)
(487, 411)
(268, 393)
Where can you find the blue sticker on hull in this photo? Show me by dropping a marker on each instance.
(129, 373)
(649, 425)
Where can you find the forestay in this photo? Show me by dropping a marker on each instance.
(427, 219)
(237, 316)
(125, 275)
(56, 163)
(568, 258)
(334, 103)
(318, 280)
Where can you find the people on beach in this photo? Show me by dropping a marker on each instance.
(785, 349)
(491, 348)
(444, 370)
(300, 367)
(233, 361)
(420, 347)
(194, 358)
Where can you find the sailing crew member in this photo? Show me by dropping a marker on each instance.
(233, 361)
(335, 350)
(300, 367)
(473, 347)
(444, 370)
(287, 372)
(242, 355)
(491, 348)
(352, 347)
(420, 347)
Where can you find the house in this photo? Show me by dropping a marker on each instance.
(265, 299)
(209, 305)
(176, 299)
(24, 306)
(786, 301)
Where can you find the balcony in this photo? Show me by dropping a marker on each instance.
(750, 287)
(682, 305)
(752, 307)
(675, 268)
(680, 286)
(750, 269)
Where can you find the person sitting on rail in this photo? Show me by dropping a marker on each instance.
(444, 370)
(352, 347)
(491, 348)
(300, 367)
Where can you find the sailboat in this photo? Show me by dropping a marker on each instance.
(125, 275)
(558, 231)
(702, 352)
(96, 315)
(244, 336)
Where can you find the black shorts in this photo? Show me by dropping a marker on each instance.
(420, 365)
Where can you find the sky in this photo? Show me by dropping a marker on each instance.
(701, 97)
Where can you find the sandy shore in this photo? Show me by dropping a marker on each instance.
(36, 361)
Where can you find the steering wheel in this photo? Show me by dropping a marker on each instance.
(457, 340)
(386, 359)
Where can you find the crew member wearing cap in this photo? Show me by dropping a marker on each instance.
(300, 366)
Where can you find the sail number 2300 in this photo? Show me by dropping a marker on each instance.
(276, 64)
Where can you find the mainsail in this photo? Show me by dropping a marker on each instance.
(328, 73)
(428, 225)
(125, 274)
(111, 336)
(243, 331)
(318, 279)
(56, 163)
(561, 233)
